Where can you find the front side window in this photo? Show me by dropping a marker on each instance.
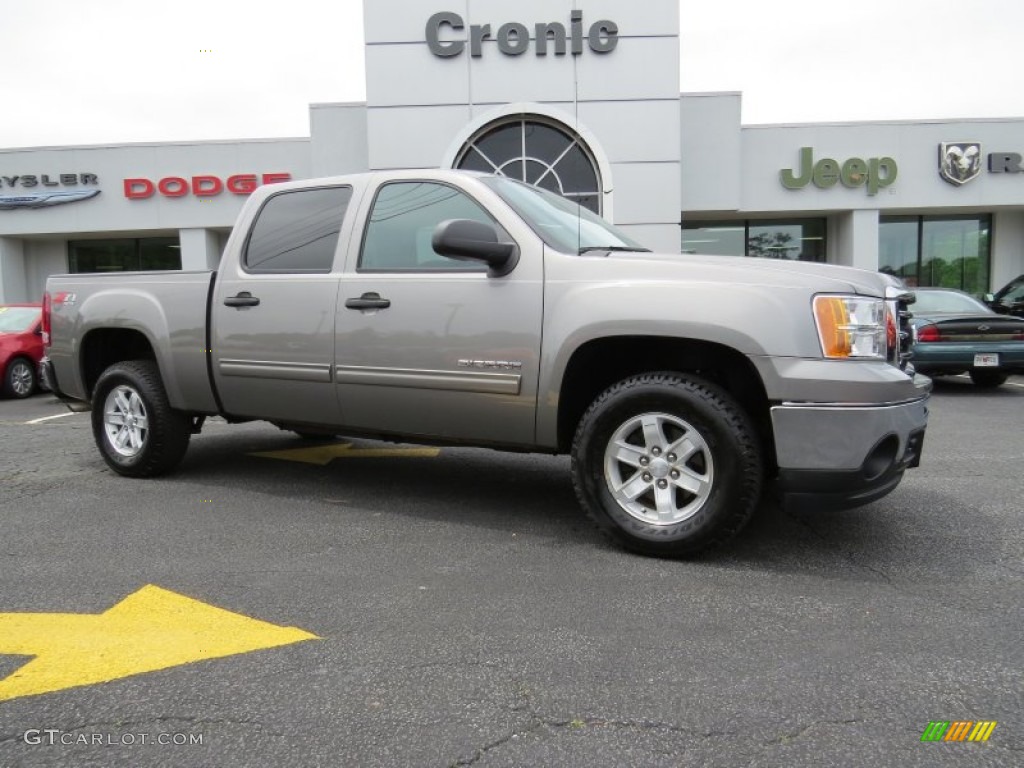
(402, 223)
(297, 231)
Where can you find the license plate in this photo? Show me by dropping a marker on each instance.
(987, 360)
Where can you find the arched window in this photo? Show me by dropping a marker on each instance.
(539, 152)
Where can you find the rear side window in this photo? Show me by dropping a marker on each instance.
(297, 231)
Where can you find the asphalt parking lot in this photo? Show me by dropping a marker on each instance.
(456, 609)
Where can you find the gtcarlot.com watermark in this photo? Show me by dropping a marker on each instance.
(52, 737)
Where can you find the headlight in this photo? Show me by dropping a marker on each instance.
(851, 327)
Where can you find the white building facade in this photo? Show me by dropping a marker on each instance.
(577, 96)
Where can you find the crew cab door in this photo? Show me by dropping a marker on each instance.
(431, 346)
(273, 310)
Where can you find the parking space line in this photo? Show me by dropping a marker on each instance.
(48, 418)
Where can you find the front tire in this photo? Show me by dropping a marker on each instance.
(988, 379)
(20, 378)
(667, 464)
(135, 428)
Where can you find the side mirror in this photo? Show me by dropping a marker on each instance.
(988, 298)
(469, 240)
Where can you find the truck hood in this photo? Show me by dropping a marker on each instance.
(753, 271)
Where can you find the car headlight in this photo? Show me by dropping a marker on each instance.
(851, 327)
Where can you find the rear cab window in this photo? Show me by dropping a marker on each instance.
(296, 232)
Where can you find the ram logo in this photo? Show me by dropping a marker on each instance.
(959, 161)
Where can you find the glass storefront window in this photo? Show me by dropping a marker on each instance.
(715, 239)
(796, 239)
(124, 254)
(943, 251)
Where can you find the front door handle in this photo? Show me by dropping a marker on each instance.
(370, 300)
(243, 299)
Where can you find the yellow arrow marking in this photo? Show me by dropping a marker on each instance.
(325, 454)
(149, 630)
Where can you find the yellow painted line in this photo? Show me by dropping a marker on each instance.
(325, 454)
(149, 630)
(50, 418)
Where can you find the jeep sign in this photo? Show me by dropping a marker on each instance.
(875, 173)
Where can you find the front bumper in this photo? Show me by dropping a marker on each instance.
(841, 455)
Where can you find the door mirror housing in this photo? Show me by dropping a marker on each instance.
(988, 298)
(468, 240)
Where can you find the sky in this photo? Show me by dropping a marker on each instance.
(115, 71)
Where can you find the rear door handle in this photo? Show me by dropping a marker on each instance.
(243, 299)
(370, 300)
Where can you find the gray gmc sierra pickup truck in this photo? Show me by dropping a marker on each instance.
(462, 309)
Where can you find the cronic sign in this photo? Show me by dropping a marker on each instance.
(513, 38)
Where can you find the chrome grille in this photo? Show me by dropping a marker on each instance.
(899, 302)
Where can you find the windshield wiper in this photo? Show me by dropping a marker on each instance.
(589, 248)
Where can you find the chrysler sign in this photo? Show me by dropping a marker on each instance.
(47, 196)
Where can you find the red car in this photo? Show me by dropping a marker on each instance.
(21, 348)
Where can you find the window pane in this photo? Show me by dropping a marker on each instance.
(159, 253)
(714, 238)
(897, 247)
(297, 231)
(795, 239)
(545, 143)
(502, 143)
(402, 224)
(102, 256)
(576, 172)
(955, 253)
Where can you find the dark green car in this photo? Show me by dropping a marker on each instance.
(955, 333)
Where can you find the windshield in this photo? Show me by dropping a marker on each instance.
(17, 319)
(947, 301)
(559, 222)
(1012, 292)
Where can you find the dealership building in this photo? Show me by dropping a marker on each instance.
(580, 97)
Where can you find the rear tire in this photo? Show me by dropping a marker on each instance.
(135, 428)
(988, 379)
(20, 378)
(667, 464)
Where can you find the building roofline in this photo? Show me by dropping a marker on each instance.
(133, 144)
(862, 123)
(323, 104)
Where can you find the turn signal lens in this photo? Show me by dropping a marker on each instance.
(928, 334)
(852, 327)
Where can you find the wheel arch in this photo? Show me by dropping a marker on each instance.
(599, 363)
(104, 347)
